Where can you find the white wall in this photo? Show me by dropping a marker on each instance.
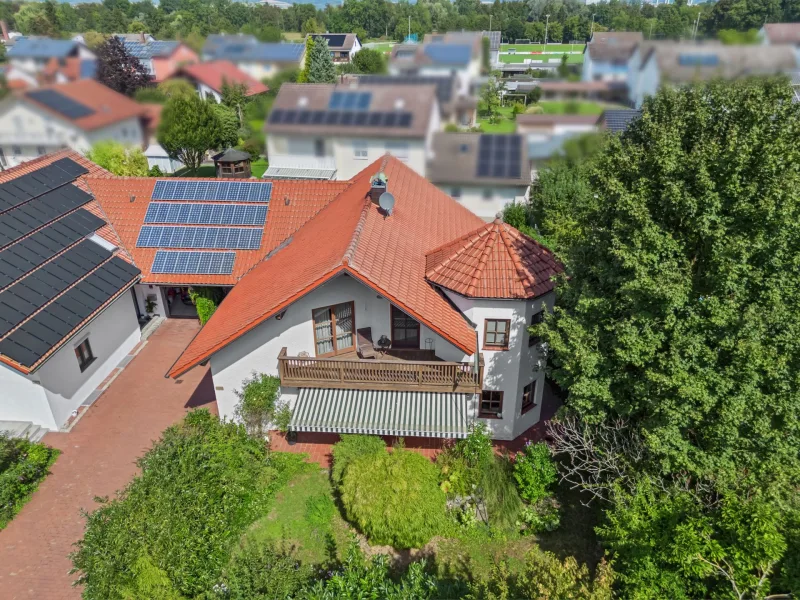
(142, 290)
(112, 335)
(205, 91)
(23, 399)
(473, 198)
(128, 132)
(257, 350)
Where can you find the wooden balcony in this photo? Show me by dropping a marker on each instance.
(367, 374)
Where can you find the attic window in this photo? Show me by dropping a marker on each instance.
(464, 148)
(399, 104)
(302, 101)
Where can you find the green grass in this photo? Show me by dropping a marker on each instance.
(541, 48)
(259, 166)
(472, 554)
(304, 518)
(384, 47)
(559, 107)
(506, 124)
(203, 171)
(293, 36)
(572, 59)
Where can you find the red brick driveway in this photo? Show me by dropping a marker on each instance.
(97, 459)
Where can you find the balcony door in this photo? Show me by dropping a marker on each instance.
(405, 330)
(334, 328)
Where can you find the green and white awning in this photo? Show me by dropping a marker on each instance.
(378, 412)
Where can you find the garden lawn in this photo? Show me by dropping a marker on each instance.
(258, 167)
(541, 48)
(572, 59)
(293, 36)
(559, 107)
(305, 518)
(506, 124)
(202, 171)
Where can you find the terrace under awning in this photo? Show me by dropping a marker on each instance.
(381, 412)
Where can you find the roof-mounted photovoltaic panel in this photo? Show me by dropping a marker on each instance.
(31, 185)
(450, 54)
(221, 238)
(223, 191)
(22, 220)
(335, 40)
(31, 252)
(20, 300)
(193, 263)
(205, 213)
(341, 118)
(44, 330)
(61, 104)
(499, 156)
(350, 100)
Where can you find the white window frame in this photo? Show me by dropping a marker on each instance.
(399, 150)
(360, 150)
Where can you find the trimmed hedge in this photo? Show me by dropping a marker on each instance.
(23, 466)
(394, 498)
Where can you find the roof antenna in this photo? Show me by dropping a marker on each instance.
(133, 198)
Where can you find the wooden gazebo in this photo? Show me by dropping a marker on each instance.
(233, 164)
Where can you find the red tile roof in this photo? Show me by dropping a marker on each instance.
(305, 199)
(216, 72)
(109, 106)
(494, 261)
(387, 254)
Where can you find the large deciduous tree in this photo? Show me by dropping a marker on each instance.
(189, 128)
(681, 313)
(118, 69)
(368, 60)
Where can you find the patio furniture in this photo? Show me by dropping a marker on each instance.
(366, 349)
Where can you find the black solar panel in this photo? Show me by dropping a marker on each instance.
(37, 336)
(341, 118)
(26, 296)
(193, 263)
(224, 191)
(206, 213)
(31, 185)
(24, 256)
(22, 220)
(499, 156)
(335, 40)
(61, 104)
(221, 238)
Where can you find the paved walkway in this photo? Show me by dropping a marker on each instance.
(98, 458)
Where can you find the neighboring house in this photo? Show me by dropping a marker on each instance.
(72, 115)
(613, 57)
(780, 33)
(67, 69)
(603, 91)
(257, 59)
(154, 152)
(143, 38)
(617, 120)
(352, 278)
(162, 58)
(457, 53)
(209, 77)
(483, 172)
(546, 134)
(494, 46)
(32, 54)
(343, 46)
(454, 107)
(330, 131)
(67, 318)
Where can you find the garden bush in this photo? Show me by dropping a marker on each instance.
(534, 472)
(258, 403)
(262, 572)
(498, 494)
(174, 525)
(394, 498)
(462, 465)
(205, 299)
(23, 465)
(350, 448)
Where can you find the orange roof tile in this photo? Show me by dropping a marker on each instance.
(305, 199)
(494, 261)
(109, 106)
(350, 235)
(216, 72)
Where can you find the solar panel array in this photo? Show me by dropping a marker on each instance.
(185, 213)
(340, 118)
(31, 185)
(499, 156)
(450, 54)
(61, 104)
(698, 60)
(161, 236)
(444, 85)
(335, 40)
(194, 263)
(350, 100)
(148, 50)
(221, 191)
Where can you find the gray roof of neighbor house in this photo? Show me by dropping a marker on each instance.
(148, 50)
(231, 155)
(494, 39)
(454, 49)
(686, 62)
(479, 158)
(246, 48)
(613, 45)
(783, 33)
(352, 110)
(40, 47)
(215, 40)
(618, 38)
(617, 120)
(338, 42)
(445, 86)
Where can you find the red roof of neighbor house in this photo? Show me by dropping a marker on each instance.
(216, 72)
(292, 204)
(783, 33)
(350, 235)
(494, 261)
(109, 106)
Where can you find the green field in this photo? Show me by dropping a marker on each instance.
(541, 48)
(384, 47)
(572, 59)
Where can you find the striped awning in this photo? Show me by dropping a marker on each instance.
(378, 412)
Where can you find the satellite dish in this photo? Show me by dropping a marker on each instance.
(386, 202)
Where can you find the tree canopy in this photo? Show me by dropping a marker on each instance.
(320, 67)
(118, 69)
(120, 160)
(189, 128)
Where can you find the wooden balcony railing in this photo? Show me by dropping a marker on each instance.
(424, 376)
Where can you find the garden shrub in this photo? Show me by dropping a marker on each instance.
(462, 465)
(534, 472)
(258, 402)
(262, 572)
(23, 465)
(206, 299)
(350, 448)
(499, 494)
(394, 498)
(542, 516)
(200, 485)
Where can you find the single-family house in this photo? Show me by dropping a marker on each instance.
(331, 131)
(780, 33)
(617, 120)
(67, 317)
(71, 115)
(209, 77)
(613, 56)
(33, 54)
(162, 58)
(482, 172)
(342, 46)
(258, 59)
